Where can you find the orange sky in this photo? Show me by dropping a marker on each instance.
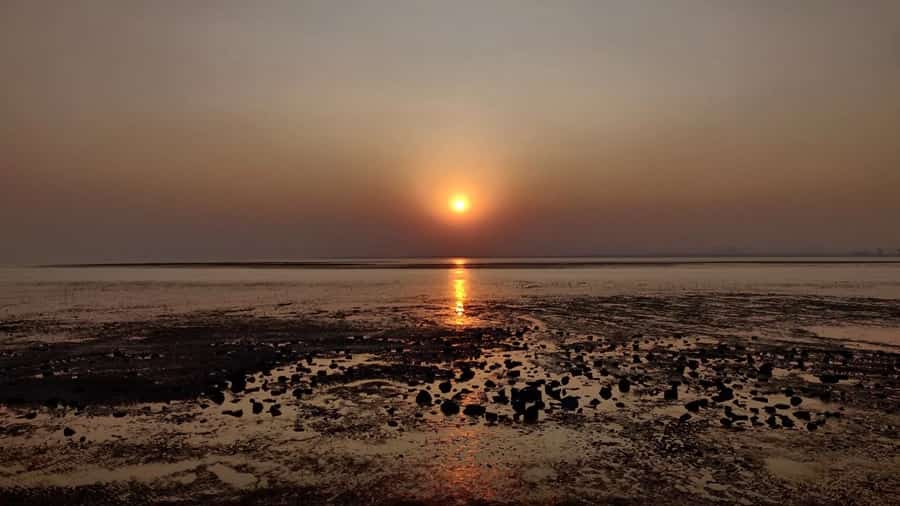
(232, 130)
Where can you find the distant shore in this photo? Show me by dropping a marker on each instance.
(485, 263)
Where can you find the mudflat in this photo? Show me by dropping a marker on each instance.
(235, 393)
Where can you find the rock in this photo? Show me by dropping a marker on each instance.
(606, 392)
(445, 387)
(423, 398)
(726, 422)
(828, 378)
(449, 407)
(529, 394)
(511, 364)
(68, 432)
(489, 384)
(257, 407)
(685, 417)
(217, 397)
(725, 394)
(671, 394)
(624, 385)
(475, 410)
(236, 413)
(238, 383)
(118, 414)
(812, 426)
(393, 423)
(570, 403)
(531, 414)
(802, 415)
(466, 374)
(275, 410)
(796, 401)
(490, 417)
(694, 406)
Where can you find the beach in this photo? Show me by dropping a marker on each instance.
(452, 381)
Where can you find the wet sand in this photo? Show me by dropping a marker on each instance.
(521, 397)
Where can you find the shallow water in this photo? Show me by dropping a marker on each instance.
(455, 284)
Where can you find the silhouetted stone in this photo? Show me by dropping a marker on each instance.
(671, 394)
(466, 374)
(238, 383)
(531, 414)
(445, 387)
(118, 414)
(235, 413)
(570, 403)
(257, 407)
(490, 417)
(275, 410)
(423, 398)
(828, 378)
(685, 417)
(725, 394)
(217, 397)
(624, 385)
(694, 406)
(449, 407)
(802, 415)
(606, 392)
(68, 432)
(796, 401)
(475, 410)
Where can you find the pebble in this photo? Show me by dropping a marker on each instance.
(423, 398)
(449, 407)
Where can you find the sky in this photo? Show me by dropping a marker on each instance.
(232, 130)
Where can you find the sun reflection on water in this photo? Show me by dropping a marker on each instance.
(459, 292)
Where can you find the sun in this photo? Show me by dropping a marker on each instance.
(459, 204)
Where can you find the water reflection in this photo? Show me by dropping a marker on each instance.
(459, 278)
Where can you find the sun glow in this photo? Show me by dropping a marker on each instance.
(459, 204)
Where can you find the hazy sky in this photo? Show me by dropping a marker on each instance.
(249, 130)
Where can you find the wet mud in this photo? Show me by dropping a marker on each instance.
(670, 399)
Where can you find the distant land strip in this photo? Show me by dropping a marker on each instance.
(475, 264)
